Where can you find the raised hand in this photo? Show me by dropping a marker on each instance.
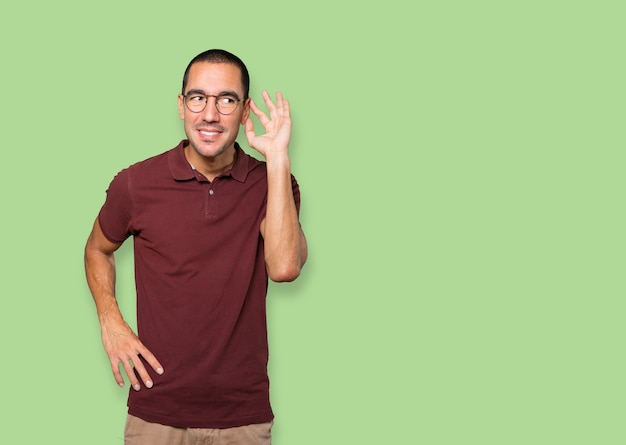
(277, 126)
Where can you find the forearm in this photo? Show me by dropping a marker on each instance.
(285, 248)
(100, 273)
(120, 342)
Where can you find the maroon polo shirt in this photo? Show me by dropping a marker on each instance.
(201, 286)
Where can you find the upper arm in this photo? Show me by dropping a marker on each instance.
(99, 243)
(303, 248)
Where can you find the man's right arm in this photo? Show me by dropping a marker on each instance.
(120, 342)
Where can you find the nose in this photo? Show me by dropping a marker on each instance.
(210, 113)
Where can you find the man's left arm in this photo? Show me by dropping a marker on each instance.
(285, 243)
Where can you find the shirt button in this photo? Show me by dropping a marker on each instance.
(211, 192)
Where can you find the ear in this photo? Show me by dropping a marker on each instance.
(246, 111)
(181, 106)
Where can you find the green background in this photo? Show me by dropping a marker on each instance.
(462, 175)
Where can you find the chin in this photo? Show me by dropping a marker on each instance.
(210, 149)
(210, 152)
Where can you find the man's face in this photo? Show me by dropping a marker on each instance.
(210, 133)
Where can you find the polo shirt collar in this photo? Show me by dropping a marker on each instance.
(182, 171)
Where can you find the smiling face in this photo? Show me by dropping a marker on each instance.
(211, 134)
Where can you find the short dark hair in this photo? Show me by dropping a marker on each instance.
(220, 56)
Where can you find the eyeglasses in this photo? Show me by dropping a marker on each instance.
(225, 103)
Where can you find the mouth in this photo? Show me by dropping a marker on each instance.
(209, 133)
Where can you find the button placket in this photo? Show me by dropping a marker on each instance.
(211, 204)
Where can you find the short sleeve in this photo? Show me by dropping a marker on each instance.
(296, 192)
(115, 216)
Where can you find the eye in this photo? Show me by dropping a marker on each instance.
(226, 100)
(196, 98)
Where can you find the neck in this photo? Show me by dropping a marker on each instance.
(211, 167)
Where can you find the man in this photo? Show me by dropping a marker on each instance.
(210, 224)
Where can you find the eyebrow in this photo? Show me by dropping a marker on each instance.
(223, 93)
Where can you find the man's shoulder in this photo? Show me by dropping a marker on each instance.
(161, 165)
(153, 162)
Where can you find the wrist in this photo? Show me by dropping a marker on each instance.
(109, 313)
(278, 159)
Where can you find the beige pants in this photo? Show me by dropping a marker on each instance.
(140, 432)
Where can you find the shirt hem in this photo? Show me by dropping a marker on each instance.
(182, 422)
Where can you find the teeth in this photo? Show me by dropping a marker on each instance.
(209, 133)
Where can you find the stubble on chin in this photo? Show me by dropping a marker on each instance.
(207, 150)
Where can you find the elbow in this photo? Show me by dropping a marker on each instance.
(286, 268)
(285, 273)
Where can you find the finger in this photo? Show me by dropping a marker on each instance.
(140, 370)
(279, 100)
(282, 106)
(129, 368)
(249, 129)
(259, 113)
(274, 109)
(115, 367)
(286, 109)
(152, 361)
(268, 101)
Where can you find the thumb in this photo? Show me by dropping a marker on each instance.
(249, 130)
